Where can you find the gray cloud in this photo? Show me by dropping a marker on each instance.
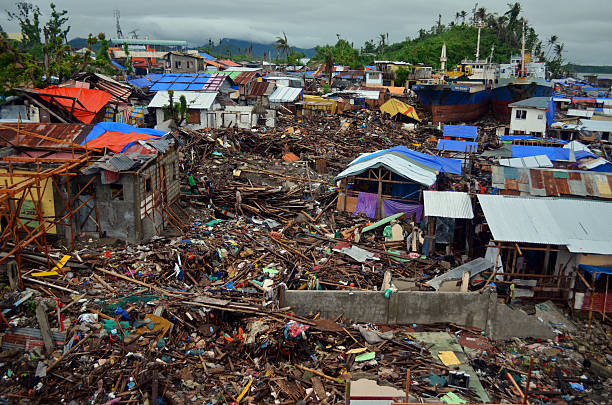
(584, 27)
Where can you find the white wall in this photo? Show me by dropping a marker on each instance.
(371, 78)
(531, 125)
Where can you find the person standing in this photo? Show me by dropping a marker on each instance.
(209, 190)
(238, 206)
(192, 184)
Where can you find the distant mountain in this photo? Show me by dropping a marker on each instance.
(590, 68)
(238, 46)
(79, 43)
(235, 46)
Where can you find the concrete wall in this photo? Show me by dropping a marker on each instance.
(481, 311)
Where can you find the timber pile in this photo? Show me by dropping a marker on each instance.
(196, 317)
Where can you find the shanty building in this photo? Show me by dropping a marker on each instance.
(386, 182)
(547, 245)
(108, 180)
(201, 107)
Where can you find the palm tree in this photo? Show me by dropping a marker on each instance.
(382, 44)
(513, 13)
(463, 14)
(282, 46)
(457, 16)
(328, 61)
(481, 14)
(559, 49)
(551, 42)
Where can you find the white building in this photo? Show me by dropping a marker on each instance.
(529, 116)
(373, 78)
(205, 111)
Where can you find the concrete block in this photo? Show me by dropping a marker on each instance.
(359, 306)
(509, 323)
(466, 309)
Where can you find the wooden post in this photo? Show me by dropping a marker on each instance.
(546, 259)
(591, 303)
(379, 198)
(45, 329)
(603, 311)
(430, 231)
(407, 384)
(526, 395)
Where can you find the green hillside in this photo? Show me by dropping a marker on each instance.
(460, 44)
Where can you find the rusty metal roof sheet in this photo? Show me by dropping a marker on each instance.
(553, 182)
(64, 133)
(244, 78)
(259, 89)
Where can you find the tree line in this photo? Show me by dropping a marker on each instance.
(43, 52)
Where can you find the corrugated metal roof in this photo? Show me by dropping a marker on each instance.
(74, 133)
(259, 89)
(121, 162)
(584, 226)
(244, 78)
(552, 182)
(596, 125)
(447, 204)
(579, 113)
(285, 94)
(533, 102)
(461, 131)
(241, 69)
(530, 161)
(195, 99)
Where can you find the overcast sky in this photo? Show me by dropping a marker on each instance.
(583, 26)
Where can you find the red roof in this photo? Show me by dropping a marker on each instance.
(213, 63)
(84, 103)
(228, 62)
(244, 78)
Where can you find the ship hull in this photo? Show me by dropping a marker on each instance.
(503, 96)
(448, 105)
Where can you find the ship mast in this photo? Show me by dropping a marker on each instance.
(523, 70)
(480, 25)
(443, 58)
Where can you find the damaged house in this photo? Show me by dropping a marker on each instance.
(109, 180)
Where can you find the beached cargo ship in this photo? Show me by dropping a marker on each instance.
(454, 102)
(510, 91)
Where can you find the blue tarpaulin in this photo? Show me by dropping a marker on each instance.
(504, 138)
(118, 65)
(457, 146)
(598, 269)
(553, 153)
(119, 137)
(146, 81)
(550, 113)
(461, 131)
(440, 164)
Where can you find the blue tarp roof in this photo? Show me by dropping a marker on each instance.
(440, 164)
(553, 153)
(457, 146)
(526, 137)
(206, 56)
(599, 269)
(102, 127)
(146, 81)
(120, 66)
(461, 131)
